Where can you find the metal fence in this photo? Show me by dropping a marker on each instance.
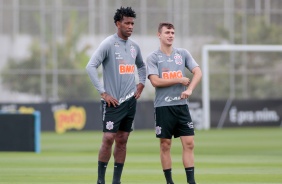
(45, 44)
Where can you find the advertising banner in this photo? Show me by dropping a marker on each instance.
(75, 116)
(245, 113)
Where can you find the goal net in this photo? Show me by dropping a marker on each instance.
(206, 52)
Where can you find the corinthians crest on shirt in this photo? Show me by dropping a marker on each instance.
(132, 51)
(178, 59)
(116, 44)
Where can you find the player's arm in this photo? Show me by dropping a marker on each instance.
(197, 75)
(142, 79)
(91, 69)
(139, 90)
(141, 68)
(95, 61)
(160, 82)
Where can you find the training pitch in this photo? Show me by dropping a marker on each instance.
(222, 156)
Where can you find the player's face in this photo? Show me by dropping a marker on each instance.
(125, 27)
(166, 36)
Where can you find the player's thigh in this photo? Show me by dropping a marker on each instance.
(185, 125)
(112, 117)
(126, 124)
(165, 122)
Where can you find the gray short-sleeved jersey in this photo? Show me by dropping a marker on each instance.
(169, 67)
(118, 58)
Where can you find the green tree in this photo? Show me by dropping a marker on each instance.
(73, 82)
(260, 69)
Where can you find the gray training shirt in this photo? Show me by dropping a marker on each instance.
(118, 58)
(169, 67)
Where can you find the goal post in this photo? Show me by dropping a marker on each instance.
(205, 70)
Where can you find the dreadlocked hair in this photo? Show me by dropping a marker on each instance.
(124, 12)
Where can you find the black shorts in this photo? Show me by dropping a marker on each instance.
(120, 117)
(173, 121)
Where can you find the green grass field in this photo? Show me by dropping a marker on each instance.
(245, 156)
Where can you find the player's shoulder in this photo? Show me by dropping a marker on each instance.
(108, 41)
(181, 50)
(156, 53)
(133, 42)
(153, 54)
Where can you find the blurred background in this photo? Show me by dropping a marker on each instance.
(46, 44)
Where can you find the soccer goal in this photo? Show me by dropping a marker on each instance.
(205, 69)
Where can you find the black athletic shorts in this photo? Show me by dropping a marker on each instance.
(120, 117)
(173, 121)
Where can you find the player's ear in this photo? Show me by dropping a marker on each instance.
(159, 34)
(118, 24)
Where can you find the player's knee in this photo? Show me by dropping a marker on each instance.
(108, 139)
(165, 146)
(189, 145)
(121, 138)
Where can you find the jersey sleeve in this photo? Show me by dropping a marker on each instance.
(190, 62)
(95, 61)
(141, 68)
(151, 65)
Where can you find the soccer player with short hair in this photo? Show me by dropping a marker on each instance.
(119, 55)
(166, 71)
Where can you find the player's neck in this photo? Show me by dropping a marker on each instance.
(122, 36)
(167, 50)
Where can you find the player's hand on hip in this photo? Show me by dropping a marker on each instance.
(139, 90)
(185, 94)
(109, 99)
(185, 81)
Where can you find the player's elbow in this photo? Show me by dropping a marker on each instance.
(154, 84)
(154, 80)
(197, 72)
(87, 68)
